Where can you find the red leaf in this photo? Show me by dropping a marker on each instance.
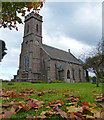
(79, 115)
(29, 117)
(73, 99)
(9, 113)
(32, 105)
(62, 113)
(25, 98)
(56, 103)
(72, 116)
(6, 105)
(84, 104)
(15, 106)
(29, 8)
(16, 28)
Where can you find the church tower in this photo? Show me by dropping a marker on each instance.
(29, 64)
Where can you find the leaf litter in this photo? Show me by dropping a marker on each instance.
(73, 107)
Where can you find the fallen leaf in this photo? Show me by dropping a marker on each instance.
(9, 113)
(91, 110)
(99, 114)
(75, 109)
(93, 105)
(56, 103)
(72, 103)
(72, 116)
(62, 113)
(79, 115)
(89, 116)
(32, 105)
(6, 105)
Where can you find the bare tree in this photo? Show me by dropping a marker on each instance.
(94, 62)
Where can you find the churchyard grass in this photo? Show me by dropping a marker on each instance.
(48, 92)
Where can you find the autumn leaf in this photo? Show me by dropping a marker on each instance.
(29, 117)
(9, 113)
(84, 103)
(72, 116)
(99, 114)
(92, 105)
(6, 105)
(62, 113)
(89, 116)
(73, 99)
(91, 110)
(6, 98)
(15, 106)
(36, 117)
(41, 93)
(48, 112)
(74, 109)
(72, 103)
(32, 105)
(79, 115)
(56, 103)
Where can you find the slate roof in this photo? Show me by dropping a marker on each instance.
(58, 54)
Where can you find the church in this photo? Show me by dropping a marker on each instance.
(42, 62)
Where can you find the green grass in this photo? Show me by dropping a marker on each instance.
(83, 90)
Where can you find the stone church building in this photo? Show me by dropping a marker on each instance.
(42, 62)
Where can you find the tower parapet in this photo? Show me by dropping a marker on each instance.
(33, 15)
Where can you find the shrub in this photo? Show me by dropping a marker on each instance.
(90, 79)
(56, 81)
(12, 80)
(39, 81)
(10, 83)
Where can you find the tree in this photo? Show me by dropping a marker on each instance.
(2, 49)
(9, 16)
(95, 63)
(10, 12)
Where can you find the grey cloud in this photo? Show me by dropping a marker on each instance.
(63, 20)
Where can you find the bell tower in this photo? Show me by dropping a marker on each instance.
(29, 64)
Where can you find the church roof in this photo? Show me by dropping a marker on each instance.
(58, 54)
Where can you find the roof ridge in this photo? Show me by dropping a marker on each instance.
(55, 48)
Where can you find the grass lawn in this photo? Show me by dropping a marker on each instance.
(70, 96)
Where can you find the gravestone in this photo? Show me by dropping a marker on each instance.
(94, 80)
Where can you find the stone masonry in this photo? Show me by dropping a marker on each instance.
(43, 62)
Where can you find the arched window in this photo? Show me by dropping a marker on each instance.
(79, 74)
(56, 75)
(27, 28)
(73, 72)
(68, 74)
(27, 66)
(37, 28)
(24, 65)
(43, 67)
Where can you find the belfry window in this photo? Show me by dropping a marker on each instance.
(37, 28)
(68, 74)
(27, 28)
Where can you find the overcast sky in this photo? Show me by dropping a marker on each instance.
(66, 25)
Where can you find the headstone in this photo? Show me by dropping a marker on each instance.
(94, 80)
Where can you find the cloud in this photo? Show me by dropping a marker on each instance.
(76, 47)
(80, 21)
(74, 26)
(10, 62)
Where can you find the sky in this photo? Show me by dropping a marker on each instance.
(66, 25)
